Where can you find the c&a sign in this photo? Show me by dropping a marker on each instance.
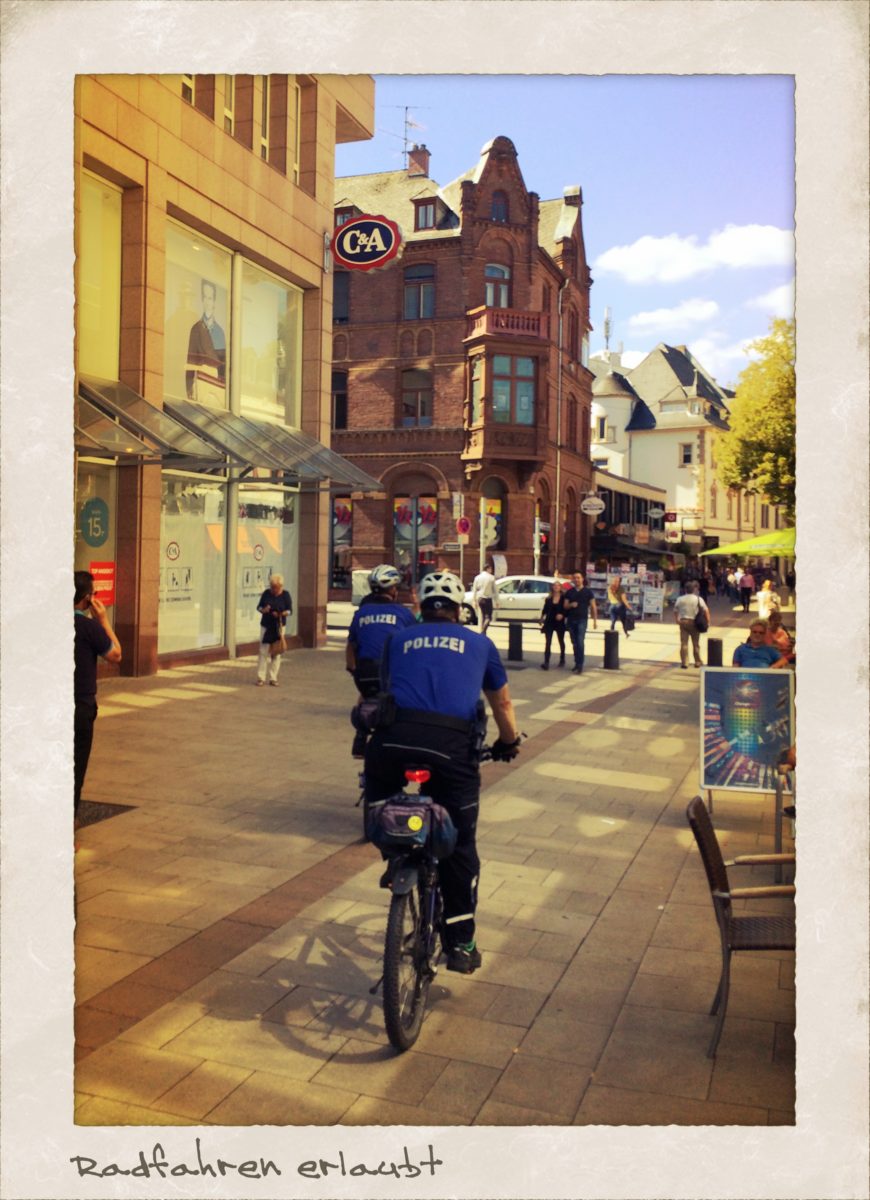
(366, 243)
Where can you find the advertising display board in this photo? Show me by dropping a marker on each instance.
(747, 720)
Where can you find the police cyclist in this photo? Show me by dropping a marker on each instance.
(435, 673)
(378, 616)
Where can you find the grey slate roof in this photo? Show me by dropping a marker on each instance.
(668, 368)
(641, 417)
(613, 384)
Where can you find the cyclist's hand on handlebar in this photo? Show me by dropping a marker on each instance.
(505, 751)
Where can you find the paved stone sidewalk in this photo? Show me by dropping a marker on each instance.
(230, 924)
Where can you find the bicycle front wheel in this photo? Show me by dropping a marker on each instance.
(406, 971)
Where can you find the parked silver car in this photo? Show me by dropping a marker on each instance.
(519, 597)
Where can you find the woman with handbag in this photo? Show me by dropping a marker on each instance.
(693, 617)
(553, 617)
(620, 609)
(275, 607)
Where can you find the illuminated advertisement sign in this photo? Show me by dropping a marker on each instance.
(366, 243)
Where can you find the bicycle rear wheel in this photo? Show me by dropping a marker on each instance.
(407, 974)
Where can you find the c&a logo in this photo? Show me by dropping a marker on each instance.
(366, 243)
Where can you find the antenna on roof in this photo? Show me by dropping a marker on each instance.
(410, 123)
(608, 325)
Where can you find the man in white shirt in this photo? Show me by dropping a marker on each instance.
(482, 594)
(686, 609)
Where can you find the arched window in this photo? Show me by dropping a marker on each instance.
(416, 398)
(497, 286)
(419, 292)
(499, 207)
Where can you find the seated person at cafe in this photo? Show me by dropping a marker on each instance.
(755, 653)
(778, 637)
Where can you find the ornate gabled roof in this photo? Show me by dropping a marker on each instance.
(613, 384)
(656, 376)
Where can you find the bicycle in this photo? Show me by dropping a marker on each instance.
(412, 943)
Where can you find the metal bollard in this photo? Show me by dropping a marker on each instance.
(611, 650)
(515, 641)
(714, 652)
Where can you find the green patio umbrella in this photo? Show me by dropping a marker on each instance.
(781, 541)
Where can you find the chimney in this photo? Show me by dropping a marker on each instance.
(418, 161)
(572, 196)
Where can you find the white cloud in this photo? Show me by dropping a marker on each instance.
(778, 302)
(672, 258)
(665, 320)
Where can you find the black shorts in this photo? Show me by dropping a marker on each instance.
(485, 607)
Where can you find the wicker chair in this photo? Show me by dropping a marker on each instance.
(736, 931)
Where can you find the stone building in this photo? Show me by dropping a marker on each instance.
(204, 206)
(460, 376)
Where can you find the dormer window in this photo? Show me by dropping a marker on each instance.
(343, 215)
(424, 214)
(499, 207)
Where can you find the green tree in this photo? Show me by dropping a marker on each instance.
(758, 454)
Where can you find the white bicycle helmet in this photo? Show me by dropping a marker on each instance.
(441, 585)
(384, 577)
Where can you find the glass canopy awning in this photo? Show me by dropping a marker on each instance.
(113, 421)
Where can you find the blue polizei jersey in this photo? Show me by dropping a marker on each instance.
(374, 623)
(441, 667)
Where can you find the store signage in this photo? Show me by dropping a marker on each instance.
(463, 525)
(104, 581)
(670, 516)
(366, 243)
(592, 505)
(657, 512)
(94, 522)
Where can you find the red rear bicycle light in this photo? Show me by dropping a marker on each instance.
(418, 776)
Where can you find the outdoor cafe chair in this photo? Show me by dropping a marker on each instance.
(737, 932)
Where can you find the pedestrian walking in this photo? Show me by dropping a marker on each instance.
(483, 595)
(553, 622)
(791, 585)
(94, 638)
(747, 587)
(274, 608)
(768, 600)
(619, 605)
(579, 602)
(693, 617)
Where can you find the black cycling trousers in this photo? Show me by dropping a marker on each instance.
(454, 783)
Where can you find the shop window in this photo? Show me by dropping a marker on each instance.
(424, 214)
(267, 543)
(513, 389)
(339, 399)
(499, 207)
(271, 347)
(497, 286)
(96, 526)
(98, 267)
(195, 342)
(415, 536)
(419, 299)
(341, 297)
(342, 541)
(416, 398)
(191, 596)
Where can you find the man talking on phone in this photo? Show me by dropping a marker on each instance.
(94, 638)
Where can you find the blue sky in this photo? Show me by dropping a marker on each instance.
(688, 188)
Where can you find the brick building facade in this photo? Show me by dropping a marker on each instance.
(460, 373)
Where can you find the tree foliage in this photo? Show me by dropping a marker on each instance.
(758, 453)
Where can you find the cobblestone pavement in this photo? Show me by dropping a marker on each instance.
(230, 924)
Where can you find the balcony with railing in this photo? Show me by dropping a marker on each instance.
(506, 322)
